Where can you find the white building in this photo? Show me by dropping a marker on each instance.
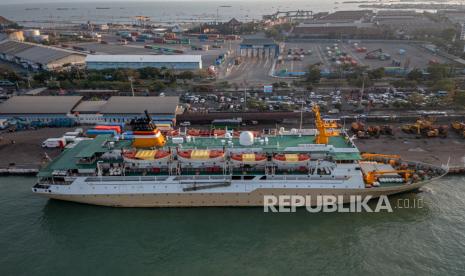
(175, 62)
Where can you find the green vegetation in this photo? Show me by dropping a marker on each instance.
(314, 74)
(118, 79)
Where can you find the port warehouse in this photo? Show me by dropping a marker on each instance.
(175, 62)
(62, 110)
(38, 57)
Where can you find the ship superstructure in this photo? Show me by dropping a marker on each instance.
(224, 168)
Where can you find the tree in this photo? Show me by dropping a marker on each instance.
(314, 74)
(444, 85)
(158, 86)
(416, 99)
(438, 71)
(415, 74)
(376, 73)
(186, 75)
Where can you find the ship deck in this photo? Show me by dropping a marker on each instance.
(343, 149)
(275, 143)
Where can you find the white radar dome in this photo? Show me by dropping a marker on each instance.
(246, 138)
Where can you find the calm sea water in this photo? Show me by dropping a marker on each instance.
(46, 237)
(158, 11)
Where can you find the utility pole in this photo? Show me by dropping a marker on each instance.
(245, 98)
(132, 87)
(362, 91)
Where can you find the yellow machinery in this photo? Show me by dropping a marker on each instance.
(459, 127)
(326, 128)
(372, 177)
(420, 125)
(393, 158)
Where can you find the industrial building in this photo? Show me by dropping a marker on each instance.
(346, 30)
(175, 62)
(38, 108)
(118, 109)
(38, 57)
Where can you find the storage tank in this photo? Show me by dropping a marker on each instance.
(31, 32)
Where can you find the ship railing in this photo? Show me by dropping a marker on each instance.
(125, 178)
(307, 177)
(203, 178)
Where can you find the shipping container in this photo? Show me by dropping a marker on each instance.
(54, 143)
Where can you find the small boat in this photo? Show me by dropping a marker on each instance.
(147, 158)
(200, 156)
(291, 159)
(249, 159)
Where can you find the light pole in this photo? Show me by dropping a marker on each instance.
(132, 87)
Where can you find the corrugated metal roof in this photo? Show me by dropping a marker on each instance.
(137, 105)
(89, 106)
(144, 58)
(13, 47)
(42, 55)
(39, 104)
(34, 52)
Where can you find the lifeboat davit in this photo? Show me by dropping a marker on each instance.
(201, 156)
(147, 158)
(251, 159)
(291, 159)
(206, 132)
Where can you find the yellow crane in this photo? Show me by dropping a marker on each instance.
(326, 128)
(371, 177)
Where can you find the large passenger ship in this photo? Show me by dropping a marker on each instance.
(145, 168)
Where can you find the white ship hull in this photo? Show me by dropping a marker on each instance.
(173, 191)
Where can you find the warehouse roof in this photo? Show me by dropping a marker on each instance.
(35, 52)
(89, 106)
(137, 105)
(13, 47)
(144, 58)
(39, 104)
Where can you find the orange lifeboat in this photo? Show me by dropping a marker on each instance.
(200, 156)
(193, 132)
(291, 159)
(147, 157)
(248, 158)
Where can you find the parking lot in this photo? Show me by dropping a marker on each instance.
(408, 55)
